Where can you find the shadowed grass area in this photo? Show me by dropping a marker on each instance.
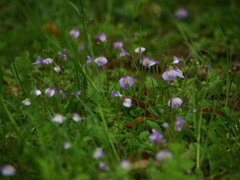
(167, 111)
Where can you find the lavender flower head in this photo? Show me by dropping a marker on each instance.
(102, 37)
(179, 72)
(26, 102)
(101, 60)
(147, 62)
(207, 67)
(116, 93)
(76, 93)
(98, 153)
(127, 102)
(76, 117)
(179, 124)
(58, 118)
(176, 60)
(48, 60)
(117, 45)
(140, 50)
(126, 81)
(8, 170)
(102, 166)
(181, 13)
(169, 75)
(156, 137)
(174, 102)
(89, 60)
(50, 91)
(123, 53)
(165, 125)
(74, 33)
(37, 92)
(63, 56)
(39, 61)
(163, 155)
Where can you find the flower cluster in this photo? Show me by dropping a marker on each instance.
(58, 118)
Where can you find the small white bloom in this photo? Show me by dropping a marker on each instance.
(127, 102)
(98, 153)
(26, 102)
(76, 117)
(74, 33)
(66, 145)
(57, 69)
(101, 60)
(176, 60)
(126, 165)
(102, 37)
(58, 118)
(48, 60)
(37, 92)
(8, 170)
(50, 91)
(140, 50)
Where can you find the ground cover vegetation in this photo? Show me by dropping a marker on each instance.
(109, 89)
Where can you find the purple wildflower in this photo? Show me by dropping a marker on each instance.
(98, 153)
(48, 60)
(174, 102)
(37, 92)
(58, 118)
(235, 68)
(76, 117)
(179, 72)
(63, 56)
(181, 13)
(123, 53)
(102, 37)
(176, 60)
(163, 155)
(147, 62)
(179, 124)
(165, 125)
(8, 170)
(101, 60)
(74, 33)
(76, 93)
(207, 67)
(169, 75)
(116, 93)
(156, 137)
(39, 61)
(127, 102)
(102, 166)
(89, 60)
(50, 91)
(117, 45)
(126, 81)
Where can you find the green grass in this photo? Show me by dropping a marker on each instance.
(206, 148)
